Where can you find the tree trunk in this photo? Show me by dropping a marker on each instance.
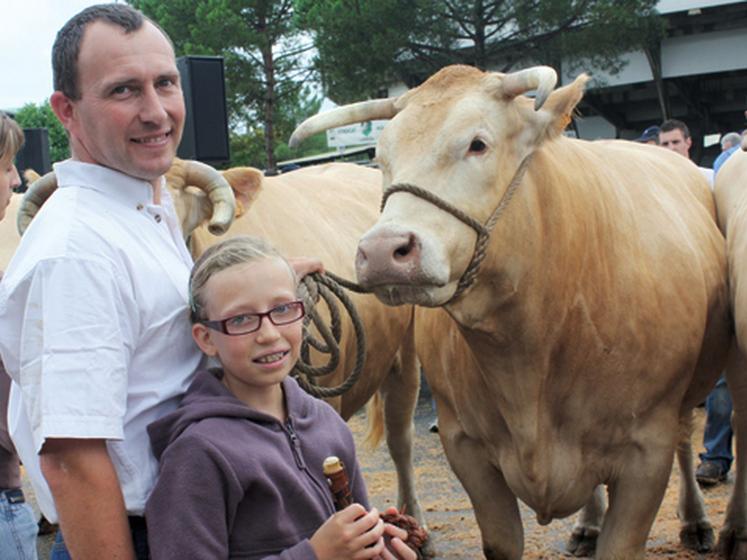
(270, 100)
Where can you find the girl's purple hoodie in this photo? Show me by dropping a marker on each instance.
(237, 483)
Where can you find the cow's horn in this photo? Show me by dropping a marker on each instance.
(340, 116)
(541, 78)
(218, 190)
(37, 193)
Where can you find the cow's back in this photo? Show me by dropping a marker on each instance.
(321, 212)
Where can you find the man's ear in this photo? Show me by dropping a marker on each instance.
(202, 336)
(62, 106)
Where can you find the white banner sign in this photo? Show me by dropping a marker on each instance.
(355, 134)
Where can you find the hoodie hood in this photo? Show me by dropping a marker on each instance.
(207, 397)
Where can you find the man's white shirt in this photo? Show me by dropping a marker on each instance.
(94, 324)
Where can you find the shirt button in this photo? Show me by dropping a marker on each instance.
(158, 218)
(140, 206)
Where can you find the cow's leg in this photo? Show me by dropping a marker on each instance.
(635, 495)
(696, 532)
(733, 536)
(583, 540)
(400, 390)
(495, 506)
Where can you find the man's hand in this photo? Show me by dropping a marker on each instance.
(88, 498)
(305, 265)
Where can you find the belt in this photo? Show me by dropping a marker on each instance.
(137, 523)
(14, 495)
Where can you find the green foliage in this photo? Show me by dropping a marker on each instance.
(365, 44)
(42, 116)
(265, 59)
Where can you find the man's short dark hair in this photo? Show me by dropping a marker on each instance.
(66, 47)
(673, 124)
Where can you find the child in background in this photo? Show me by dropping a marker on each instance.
(17, 525)
(241, 458)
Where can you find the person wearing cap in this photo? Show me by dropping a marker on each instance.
(649, 136)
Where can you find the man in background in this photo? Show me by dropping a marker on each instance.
(675, 136)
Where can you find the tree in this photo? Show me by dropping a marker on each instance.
(366, 44)
(266, 60)
(42, 116)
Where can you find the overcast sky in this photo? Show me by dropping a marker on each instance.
(28, 31)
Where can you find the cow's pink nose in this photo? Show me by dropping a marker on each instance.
(388, 259)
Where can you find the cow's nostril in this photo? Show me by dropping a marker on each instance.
(405, 250)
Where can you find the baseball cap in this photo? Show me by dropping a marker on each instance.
(651, 133)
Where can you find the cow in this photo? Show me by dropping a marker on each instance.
(317, 211)
(572, 301)
(730, 191)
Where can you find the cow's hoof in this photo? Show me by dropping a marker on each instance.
(697, 536)
(732, 543)
(583, 541)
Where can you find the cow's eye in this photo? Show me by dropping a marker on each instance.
(477, 146)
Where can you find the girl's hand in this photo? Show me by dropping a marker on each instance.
(350, 534)
(396, 548)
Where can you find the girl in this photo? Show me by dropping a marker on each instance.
(241, 459)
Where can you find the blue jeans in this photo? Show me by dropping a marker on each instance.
(17, 527)
(717, 434)
(139, 541)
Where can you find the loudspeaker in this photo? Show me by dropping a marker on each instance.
(34, 154)
(206, 127)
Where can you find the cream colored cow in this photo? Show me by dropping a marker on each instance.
(582, 307)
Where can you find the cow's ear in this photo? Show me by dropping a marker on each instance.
(246, 183)
(561, 104)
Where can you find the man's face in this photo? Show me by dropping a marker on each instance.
(130, 114)
(675, 140)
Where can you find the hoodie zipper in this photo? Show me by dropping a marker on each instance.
(301, 464)
(295, 445)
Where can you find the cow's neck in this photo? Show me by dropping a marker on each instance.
(530, 279)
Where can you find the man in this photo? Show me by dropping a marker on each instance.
(94, 324)
(716, 460)
(675, 136)
(94, 332)
(649, 136)
(730, 143)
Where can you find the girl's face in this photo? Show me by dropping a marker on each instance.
(255, 362)
(9, 180)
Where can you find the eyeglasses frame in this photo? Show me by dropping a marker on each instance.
(220, 324)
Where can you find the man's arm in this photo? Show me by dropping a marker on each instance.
(88, 498)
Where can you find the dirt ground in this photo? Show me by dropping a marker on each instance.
(451, 520)
(450, 517)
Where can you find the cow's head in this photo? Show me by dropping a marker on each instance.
(461, 136)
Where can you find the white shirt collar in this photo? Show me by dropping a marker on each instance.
(130, 191)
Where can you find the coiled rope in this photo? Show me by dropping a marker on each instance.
(328, 287)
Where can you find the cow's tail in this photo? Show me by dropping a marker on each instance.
(375, 416)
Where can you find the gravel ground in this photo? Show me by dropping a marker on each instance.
(450, 518)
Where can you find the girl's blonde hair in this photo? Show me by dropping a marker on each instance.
(236, 250)
(11, 138)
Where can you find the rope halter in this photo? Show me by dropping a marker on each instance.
(483, 230)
